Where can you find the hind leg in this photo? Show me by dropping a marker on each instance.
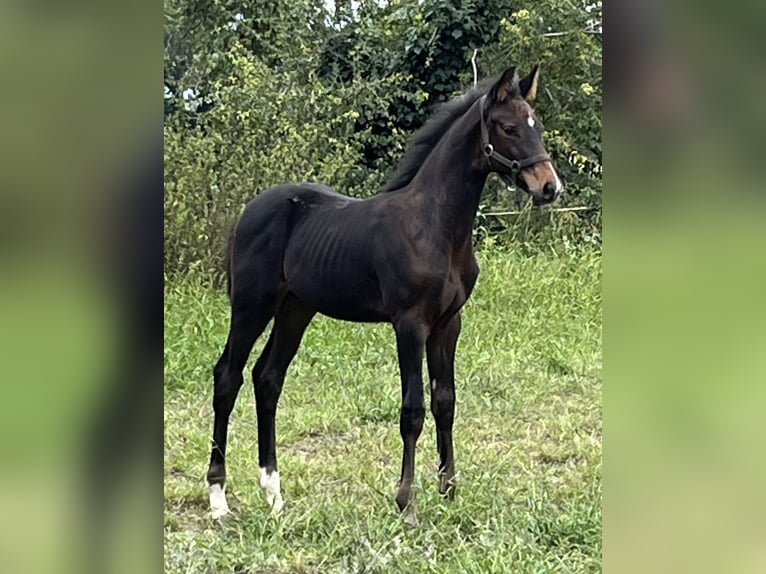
(245, 329)
(268, 377)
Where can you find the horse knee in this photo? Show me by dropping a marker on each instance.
(411, 419)
(443, 405)
(268, 387)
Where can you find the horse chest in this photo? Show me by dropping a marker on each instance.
(463, 286)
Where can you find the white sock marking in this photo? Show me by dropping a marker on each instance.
(218, 505)
(271, 486)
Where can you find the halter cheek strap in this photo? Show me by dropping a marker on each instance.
(515, 165)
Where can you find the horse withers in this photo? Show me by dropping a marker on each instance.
(404, 256)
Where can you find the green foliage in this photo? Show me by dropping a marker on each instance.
(564, 40)
(527, 437)
(246, 143)
(262, 93)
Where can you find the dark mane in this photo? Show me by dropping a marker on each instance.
(425, 139)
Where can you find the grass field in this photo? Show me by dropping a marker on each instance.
(527, 438)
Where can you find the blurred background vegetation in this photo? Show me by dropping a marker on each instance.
(259, 93)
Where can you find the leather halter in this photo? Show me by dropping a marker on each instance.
(515, 165)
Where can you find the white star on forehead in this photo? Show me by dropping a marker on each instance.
(530, 121)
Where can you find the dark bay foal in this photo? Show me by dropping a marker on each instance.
(403, 256)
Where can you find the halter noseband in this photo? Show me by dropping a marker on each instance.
(515, 165)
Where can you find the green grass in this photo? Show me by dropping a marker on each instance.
(527, 438)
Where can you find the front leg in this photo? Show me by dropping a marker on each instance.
(410, 343)
(441, 347)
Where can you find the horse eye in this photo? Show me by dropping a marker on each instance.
(509, 129)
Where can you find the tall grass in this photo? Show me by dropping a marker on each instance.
(527, 437)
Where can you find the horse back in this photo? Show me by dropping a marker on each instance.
(313, 242)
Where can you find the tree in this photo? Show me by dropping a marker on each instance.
(259, 93)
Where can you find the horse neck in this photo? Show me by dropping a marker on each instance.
(451, 180)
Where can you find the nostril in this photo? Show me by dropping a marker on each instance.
(549, 190)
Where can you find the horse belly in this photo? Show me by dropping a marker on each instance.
(340, 296)
(345, 288)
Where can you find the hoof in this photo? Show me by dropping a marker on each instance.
(218, 513)
(218, 505)
(404, 496)
(270, 484)
(405, 501)
(447, 486)
(411, 518)
(276, 506)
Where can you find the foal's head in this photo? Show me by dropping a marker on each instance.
(512, 137)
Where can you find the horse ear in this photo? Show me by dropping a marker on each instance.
(528, 85)
(506, 86)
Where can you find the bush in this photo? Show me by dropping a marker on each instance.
(334, 101)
